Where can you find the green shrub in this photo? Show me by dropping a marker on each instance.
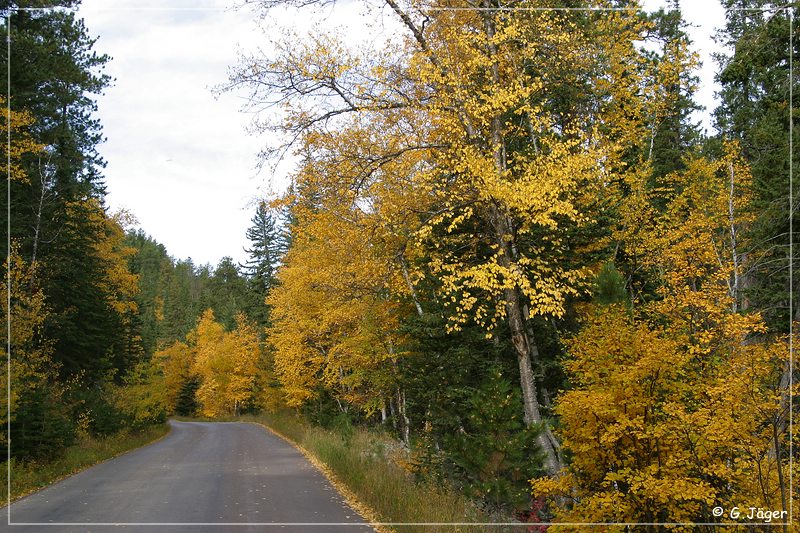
(495, 454)
(41, 426)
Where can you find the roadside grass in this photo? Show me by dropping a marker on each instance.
(367, 465)
(30, 476)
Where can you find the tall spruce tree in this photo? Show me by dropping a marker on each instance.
(228, 292)
(268, 245)
(55, 75)
(755, 81)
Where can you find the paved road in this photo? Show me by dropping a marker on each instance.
(220, 474)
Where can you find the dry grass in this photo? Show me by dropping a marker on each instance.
(364, 463)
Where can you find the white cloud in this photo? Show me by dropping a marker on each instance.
(178, 158)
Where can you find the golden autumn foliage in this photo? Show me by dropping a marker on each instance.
(143, 395)
(468, 138)
(678, 406)
(484, 104)
(460, 158)
(496, 154)
(659, 435)
(224, 363)
(30, 359)
(117, 283)
(333, 325)
(21, 141)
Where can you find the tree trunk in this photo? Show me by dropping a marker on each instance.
(410, 285)
(524, 344)
(393, 414)
(525, 349)
(405, 430)
(733, 234)
(45, 183)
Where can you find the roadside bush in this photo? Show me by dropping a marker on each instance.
(102, 417)
(142, 399)
(41, 427)
(495, 454)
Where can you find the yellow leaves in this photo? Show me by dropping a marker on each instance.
(158, 308)
(553, 486)
(694, 243)
(484, 102)
(477, 291)
(143, 397)
(225, 363)
(449, 161)
(118, 284)
(333, 326)
(538, 189)
(30, 362)
(657, 411)
(21, 141)
(452, 137)
(648, 420)
(547, 186)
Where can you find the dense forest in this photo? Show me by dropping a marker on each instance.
(506, 244)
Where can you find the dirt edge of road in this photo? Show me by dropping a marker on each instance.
(349, 496)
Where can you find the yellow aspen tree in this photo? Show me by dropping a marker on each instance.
(243, 351)
(746, 372)
(143, 395)
(120, 284)
(226, 364)
(207, 342)
(177, 365)
(333, 326)
(677, 406)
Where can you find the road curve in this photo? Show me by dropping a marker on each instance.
(206, 477)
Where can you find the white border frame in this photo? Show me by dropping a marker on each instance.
(788, 7)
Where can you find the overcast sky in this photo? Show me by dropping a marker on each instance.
(180, 159)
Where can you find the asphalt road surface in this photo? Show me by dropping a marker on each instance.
(204, 477)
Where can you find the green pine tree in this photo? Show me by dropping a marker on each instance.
(755, 111)
(269, 243)
(228, 293)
